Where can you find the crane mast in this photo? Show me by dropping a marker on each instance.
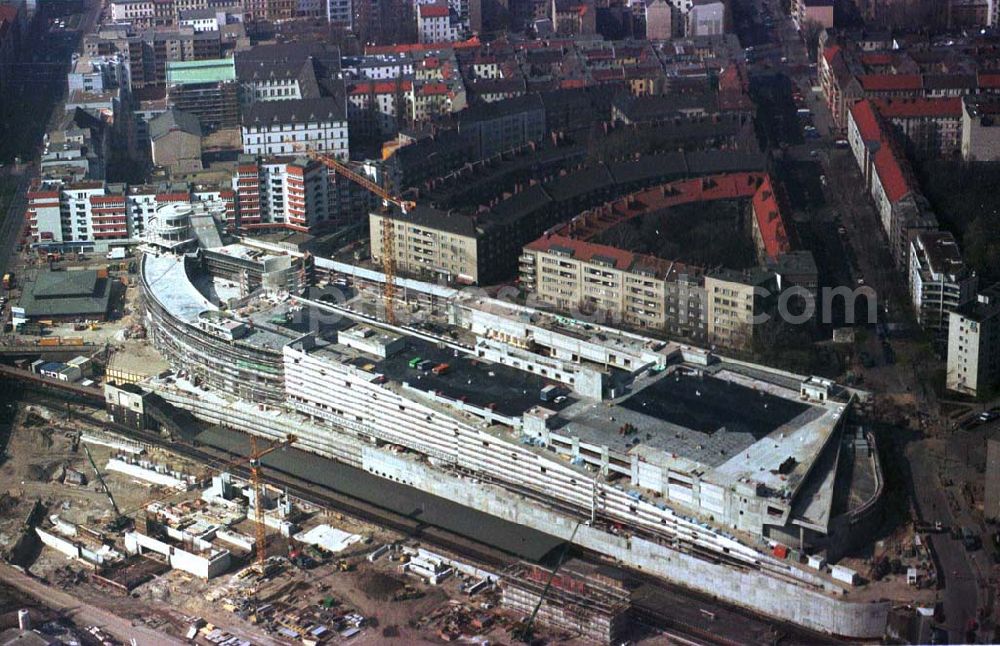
(388, 227)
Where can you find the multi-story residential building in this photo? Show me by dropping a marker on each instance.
(706, 18)
(149, 51)
(932, 126)
(430, 242)
(594, 279)
(81, 216)
(206, 19)
(504, 125)
(436, 23)
(573, 17)
(288, 71)
(974, 345)
(734, 301)
(659, 20)
(818, 12)
(340, 13)
(939, 280)
(138, 13)
(98, 74)
(902, 209)
(980, 129)
(207, 89)
(289, 127)
(288, 192)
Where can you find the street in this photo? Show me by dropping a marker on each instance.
(82, 613)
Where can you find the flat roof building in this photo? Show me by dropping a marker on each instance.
(62, 295)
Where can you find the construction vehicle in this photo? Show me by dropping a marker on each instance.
(120, 521)
(388, 227)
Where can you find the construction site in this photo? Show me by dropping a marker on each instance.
(272, 447)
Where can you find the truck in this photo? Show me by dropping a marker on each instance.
(117, 253)
(8, 281)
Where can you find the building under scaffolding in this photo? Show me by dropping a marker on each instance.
(580, 600)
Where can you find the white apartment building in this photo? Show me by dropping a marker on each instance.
(133, 11)
(939, 280)
(974, 345)
(436, 23)
(83, 216)
(293, 127)
(283, 193)
(98, 74)
(340, 13)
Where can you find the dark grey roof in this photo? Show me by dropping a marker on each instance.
(174, 119)
(432, 218)
(486, 111)
(284, 61)
(295, 111)
(708, 162)
(196, 14)
(66, 293)
(579, 183)
(662, 167)
(520, 204)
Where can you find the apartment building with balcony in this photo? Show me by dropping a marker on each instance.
(939, 281)
(734, 301)
(638, 290)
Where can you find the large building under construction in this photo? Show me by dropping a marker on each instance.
(670, 459)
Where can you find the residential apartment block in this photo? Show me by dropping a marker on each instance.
(980, 129)
(291, 127)
(734, 300)
(974, 345)
(613, 284)
(429, 242)
(939, 280)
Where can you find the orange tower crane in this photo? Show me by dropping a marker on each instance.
(388, 227)
(257, 482)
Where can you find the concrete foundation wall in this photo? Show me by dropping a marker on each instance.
(747, 588)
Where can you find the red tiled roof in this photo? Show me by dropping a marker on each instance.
(584, 251)
(830, 53)
(877, 58)
(769, 220)
(890, 82)
(434, 11)
(472, 43)
(990, 81)
(920, 107)
(890, 173)
(866, 119)
(385, 87)
(433, 89)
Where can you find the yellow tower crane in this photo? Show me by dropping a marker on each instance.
(388, 226)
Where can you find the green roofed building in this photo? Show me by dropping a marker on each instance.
(206, 89)
(65, 295)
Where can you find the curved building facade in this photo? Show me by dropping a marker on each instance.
(216, 349)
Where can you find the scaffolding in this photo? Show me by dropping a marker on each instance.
(578, 599)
